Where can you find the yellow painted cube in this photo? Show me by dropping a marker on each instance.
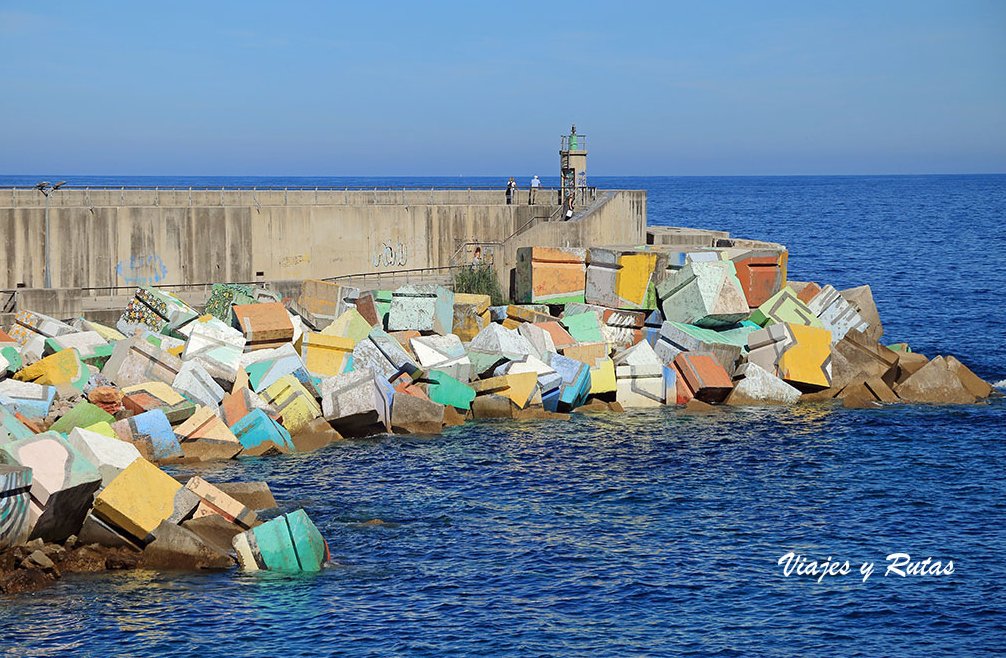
(138, 499)
(808, 360)
(297, 407)
(633, 280)
(350, 325)
(602, 376)
(103, 429)
(326, 355)
(159, 390)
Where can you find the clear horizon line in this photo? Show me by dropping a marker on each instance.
(504, 176)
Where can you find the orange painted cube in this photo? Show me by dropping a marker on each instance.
(264, 325)
(704, 376)
(761, 277)
(549, 275)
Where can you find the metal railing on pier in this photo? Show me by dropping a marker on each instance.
(144, 196)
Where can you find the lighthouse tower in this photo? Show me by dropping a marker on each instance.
(573, 165)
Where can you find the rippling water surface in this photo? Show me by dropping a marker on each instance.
(647, 532)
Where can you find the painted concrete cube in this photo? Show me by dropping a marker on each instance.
(551, 275)
(62, 487)
(290, 543)
(706, 294)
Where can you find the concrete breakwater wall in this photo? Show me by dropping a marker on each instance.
(111, 238)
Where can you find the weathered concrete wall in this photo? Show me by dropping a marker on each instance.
(118, 238)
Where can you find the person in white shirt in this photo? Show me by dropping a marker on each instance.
(511, 187)
(532, 195)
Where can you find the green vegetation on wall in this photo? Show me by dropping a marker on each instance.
(479, 280)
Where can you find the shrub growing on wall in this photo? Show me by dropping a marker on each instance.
(479, 280)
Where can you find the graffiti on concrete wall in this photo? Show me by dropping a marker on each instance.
(142, 270)
(293, 261)
(390, 254)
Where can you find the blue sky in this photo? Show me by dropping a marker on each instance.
(479, 88)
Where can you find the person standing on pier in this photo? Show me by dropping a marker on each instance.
(532, 193)
(511, 187)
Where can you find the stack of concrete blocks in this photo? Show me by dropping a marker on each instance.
(145, 509)
(423, 308)
(295, 405)
(195, 383)
(384, 355)
(264, 326)
(326, 355)
(596, 356)
(471, 315)
(136, 361)
(446, 390)
(506, 396)
(148, 396)
(10, 355)
(320, 302)
(63, 483)
(204, 436)
(725, 346)
(754, 385)
(494, 345)
(217, 347)
(15, 505)
(152, 434)
(26, 398)
(861, 298)
(357, 403)
(624, 278)
(575, 385)
(785, 307)
(639, 376)
(30, 331)
(550, 275)
(63, 370)
(797, 353)
(154, 310)
(265, 366)
(517, 315)
(110, 455)
(92, 348)
(706, 294)
(260, 434)
(700, 376)
(445, 353)
(289, 543)
(836, 314)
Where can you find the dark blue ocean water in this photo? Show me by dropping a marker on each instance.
(651, 532)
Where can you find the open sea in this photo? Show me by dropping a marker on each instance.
(645, 533)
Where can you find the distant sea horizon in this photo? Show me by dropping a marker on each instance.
(460, 180)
